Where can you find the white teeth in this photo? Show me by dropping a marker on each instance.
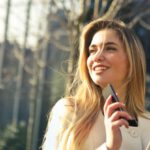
(100, 68)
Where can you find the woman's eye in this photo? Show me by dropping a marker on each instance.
(92, 51)
(110, 48)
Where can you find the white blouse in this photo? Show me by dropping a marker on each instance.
(133, 138)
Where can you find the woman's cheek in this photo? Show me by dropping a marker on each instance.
(89, 63)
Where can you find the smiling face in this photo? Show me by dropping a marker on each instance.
(107, 61)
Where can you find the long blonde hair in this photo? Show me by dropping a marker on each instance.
(87, 95)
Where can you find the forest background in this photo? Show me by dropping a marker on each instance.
(39, 42)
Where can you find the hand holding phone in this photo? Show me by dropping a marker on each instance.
(109, 90)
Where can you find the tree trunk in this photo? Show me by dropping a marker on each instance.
(2, 51)
(39, 96)
(20, 69)
(32, 101)
(74, 28)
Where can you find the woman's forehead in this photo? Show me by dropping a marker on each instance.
(105, 36)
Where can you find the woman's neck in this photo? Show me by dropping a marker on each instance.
(121, 93)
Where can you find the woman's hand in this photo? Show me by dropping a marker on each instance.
(113, 120)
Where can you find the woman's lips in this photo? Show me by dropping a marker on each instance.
(100, 68)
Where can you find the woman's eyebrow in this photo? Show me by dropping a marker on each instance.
(107, 43)
(110, 43)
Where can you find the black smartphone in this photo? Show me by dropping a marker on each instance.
(109, 90)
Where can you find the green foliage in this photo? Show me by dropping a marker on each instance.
(13, 138)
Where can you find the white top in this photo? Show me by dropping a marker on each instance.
(133, 138)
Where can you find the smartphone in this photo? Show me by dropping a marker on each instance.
(109, 90)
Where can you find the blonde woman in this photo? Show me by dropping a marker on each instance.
(110, 53)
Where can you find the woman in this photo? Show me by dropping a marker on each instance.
(109, 54)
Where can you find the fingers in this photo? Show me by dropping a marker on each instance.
(113, 116)
(107, 103)
(119, 118)
(119, 123)
(110, 108)
(120, 114)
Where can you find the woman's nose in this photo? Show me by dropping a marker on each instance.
(99, 56)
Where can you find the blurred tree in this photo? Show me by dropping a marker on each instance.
(37, 90)
(32, 101)
(13, 138)
(19, 77)
(2, 51)
(40, 88)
